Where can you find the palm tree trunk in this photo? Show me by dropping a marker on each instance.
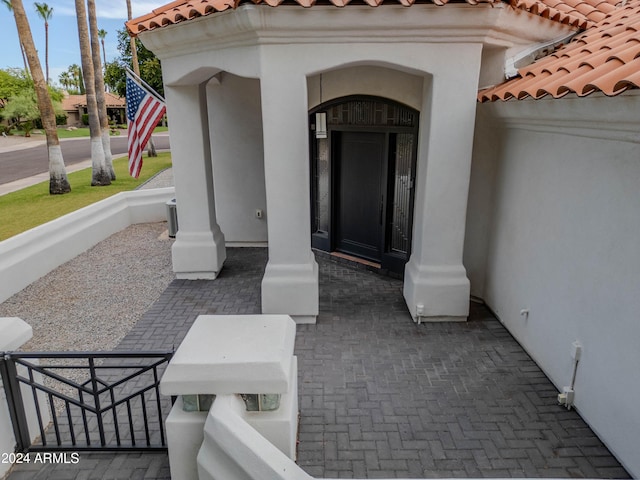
(46, 50)
(104, 53)
(24, 59)
(58, 182)
(134, 51)
(99, 172)
(99, 86)
(151, 150)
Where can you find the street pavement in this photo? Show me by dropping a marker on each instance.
(23, 160)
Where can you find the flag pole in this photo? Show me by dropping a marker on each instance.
(145, 84)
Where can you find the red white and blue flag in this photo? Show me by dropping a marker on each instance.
(144, 111)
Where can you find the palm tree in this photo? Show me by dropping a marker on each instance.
(65, 80)
(134, 50)
(45, 12)
(76, 74)
(7, 3)
(99, 86)
(151, 150)
(58, 182)
(99, 173)
(103, 33)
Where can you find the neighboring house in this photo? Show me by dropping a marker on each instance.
(383, 133)
(76, 105)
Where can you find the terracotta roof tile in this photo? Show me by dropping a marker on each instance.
(605, 58)
(578, 13)
(183, 10)
(72, 102)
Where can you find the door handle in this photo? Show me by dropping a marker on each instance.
(381, 208)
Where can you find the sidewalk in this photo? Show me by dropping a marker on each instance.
(11, 143)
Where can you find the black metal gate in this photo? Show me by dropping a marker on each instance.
(86, 401)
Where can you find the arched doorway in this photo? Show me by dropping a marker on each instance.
(363, 163)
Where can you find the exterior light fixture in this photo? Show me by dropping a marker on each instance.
(321, 125)
(261, 402)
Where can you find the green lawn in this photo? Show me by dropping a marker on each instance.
(33, 206)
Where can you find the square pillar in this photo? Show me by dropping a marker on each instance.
(436, 287)
(290, 282)
(199, 250)
(232, 355)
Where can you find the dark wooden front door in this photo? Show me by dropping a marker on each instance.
(361, 178)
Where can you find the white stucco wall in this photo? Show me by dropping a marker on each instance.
(480, 201)
(366, 80)
(563, 243)
(235, 119)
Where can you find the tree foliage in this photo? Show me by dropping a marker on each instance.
(22, 107)
(72, 80)
(150, 68)
(12, 82)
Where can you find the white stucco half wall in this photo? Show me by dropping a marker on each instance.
(554, 199)
(30, 255)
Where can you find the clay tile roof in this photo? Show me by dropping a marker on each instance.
(577, 13)
(605, 58)
(72, 102)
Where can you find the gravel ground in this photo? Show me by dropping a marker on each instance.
(92, 301)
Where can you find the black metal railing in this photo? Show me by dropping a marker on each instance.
(86, 400)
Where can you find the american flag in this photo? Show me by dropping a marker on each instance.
(144, 111)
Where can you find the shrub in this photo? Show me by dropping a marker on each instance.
(85, 119)
(61, 119)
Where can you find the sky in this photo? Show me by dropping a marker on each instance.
(64, 49)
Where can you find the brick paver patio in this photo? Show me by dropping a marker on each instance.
(382, 397)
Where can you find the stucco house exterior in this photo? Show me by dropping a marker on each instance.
(76, 105)
(475, 149)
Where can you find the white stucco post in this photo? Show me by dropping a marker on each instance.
(290, 282)
(199, 250)
(436, 287)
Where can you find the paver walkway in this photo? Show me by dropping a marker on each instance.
(381, 397)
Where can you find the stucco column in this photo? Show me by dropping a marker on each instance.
(199, 250)
(436, 286)
(290, 283)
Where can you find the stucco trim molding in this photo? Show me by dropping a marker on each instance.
(250, 25)
(597, 116)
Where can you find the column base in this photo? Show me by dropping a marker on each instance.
(198, 255)
(441, 293)
(292, 290)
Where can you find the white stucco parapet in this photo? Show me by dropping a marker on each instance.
(15, 333)
(226, 354)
